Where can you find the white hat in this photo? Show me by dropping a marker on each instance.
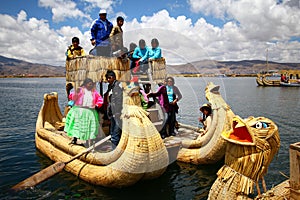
(102, 11)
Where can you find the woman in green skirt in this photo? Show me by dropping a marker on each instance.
(82, 120)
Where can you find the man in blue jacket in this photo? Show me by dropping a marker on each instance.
(100, 30)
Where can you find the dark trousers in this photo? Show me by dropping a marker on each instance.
(170, 122)
(144, 66)
(133, 62)
(115, 131)
(103, 51)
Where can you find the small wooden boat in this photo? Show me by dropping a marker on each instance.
(209, 148)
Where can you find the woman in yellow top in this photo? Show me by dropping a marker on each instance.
(74, 50)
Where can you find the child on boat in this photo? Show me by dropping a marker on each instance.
(207, 116)
(82, 120)
(74, 50)
(116, 35)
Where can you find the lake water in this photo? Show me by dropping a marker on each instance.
(22, 98)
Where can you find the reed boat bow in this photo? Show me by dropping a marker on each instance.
(209, 148)
(140, 154)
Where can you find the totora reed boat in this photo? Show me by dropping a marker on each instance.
(292, 79)
(141, 153)
(259, 81)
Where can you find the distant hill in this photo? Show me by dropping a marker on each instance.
(14, 67)
(229, 67)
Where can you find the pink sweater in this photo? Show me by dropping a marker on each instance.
(78, 98)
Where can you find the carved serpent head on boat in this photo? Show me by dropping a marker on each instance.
(253, 142)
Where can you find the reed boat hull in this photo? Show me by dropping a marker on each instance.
(259, 80)
(210, 148)
(268, 82)
(295, 84)
(140, 155)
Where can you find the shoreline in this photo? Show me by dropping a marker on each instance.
(214, 75)
(37, 76)
(174, 75)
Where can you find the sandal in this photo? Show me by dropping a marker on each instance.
(74, 141)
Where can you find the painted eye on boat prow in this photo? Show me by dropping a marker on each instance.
(260, 125)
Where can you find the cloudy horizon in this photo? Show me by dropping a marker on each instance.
(39, 31)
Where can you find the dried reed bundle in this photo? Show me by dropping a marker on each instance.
(158, 67)
(95, 68)
(253, 143)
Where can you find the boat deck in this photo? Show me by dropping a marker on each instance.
(185, 132)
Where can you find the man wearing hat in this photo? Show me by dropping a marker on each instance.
(100, 31)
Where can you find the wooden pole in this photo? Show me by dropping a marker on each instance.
(294, 170)
(52, 169)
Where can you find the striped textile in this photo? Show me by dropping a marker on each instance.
(82, 123)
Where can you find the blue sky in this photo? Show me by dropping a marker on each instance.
(188, 30)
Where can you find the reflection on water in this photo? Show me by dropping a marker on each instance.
(22, 99)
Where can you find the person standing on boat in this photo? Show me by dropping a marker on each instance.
(82, 120)
(115, 103)
(116, 35)
(74, 50)
(207, 116)
(100, 31)
(168, 95)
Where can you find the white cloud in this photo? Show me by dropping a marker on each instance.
(254, 25)
(102, 4)
(217, 8)
(31, 40)
(63, 9)
(259, 20)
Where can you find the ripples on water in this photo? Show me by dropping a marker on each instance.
(22, 99)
